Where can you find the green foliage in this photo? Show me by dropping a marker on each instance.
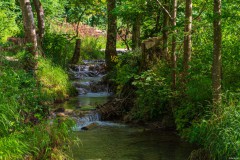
(153, 95)
(39, 142)
(54, 9)
(19, 97)
(219, 131)
(58, 48)
(91, 48)
(231, 48)
(8, 14)
(126, 68)
(91, 12)
(24, 131)
(48, 136)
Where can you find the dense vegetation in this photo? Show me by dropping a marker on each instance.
(188, 81)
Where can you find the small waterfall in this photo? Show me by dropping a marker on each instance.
(87, 80)
(88, 119)
(88, 77)
(91, 120)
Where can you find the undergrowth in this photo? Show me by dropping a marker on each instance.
(25, 132)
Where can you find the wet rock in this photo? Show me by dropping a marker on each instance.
(74, 68)
(85, 85)
(92, 74)
(168, 122)
(200, 154)
(82, 91)
(61, 109)
(92, 68)
(61, 115)
(90, 126)
(95, 87)
(69, 112)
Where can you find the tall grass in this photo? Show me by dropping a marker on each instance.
(219, 131)
(54, 80)
(91, 48)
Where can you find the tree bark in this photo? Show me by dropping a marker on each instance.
(110, 52)
(77, 52)
(30, 32)
(165, 31)
(187, 40)
(136, 31)
(40, 17)
(173, 55)
(217, 58)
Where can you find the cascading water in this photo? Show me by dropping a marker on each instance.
(90, 88)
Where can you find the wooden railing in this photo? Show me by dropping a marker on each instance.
(151, 51)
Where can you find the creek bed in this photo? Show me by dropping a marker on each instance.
(115, 141)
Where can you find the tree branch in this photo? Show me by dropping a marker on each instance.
(164, 9)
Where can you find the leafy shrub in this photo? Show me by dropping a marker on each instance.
(58, 48)
(8, 26)
(153, 95)
(126, 68)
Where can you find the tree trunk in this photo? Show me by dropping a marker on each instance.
(173, 55)
(30, 32)
(77, 52)
(40, 18)
(165, 32)
(110, 52)
(187, 40)
(217, 58)
(136, 31)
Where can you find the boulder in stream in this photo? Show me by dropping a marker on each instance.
(90, 126)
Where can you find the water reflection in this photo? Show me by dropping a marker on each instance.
(130, 143)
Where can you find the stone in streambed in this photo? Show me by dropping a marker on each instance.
(61, 115)
(61, 109)
(90, 126)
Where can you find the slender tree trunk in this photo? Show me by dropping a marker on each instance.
(165, 31)
(30, 32)
(78, 22)
(136, 31)
(157, 25)
(173, 55)
(110, 52)
(77, 52)
(187, 40)
(217, 58)
(40, 17)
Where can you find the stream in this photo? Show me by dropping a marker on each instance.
(115, 141)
